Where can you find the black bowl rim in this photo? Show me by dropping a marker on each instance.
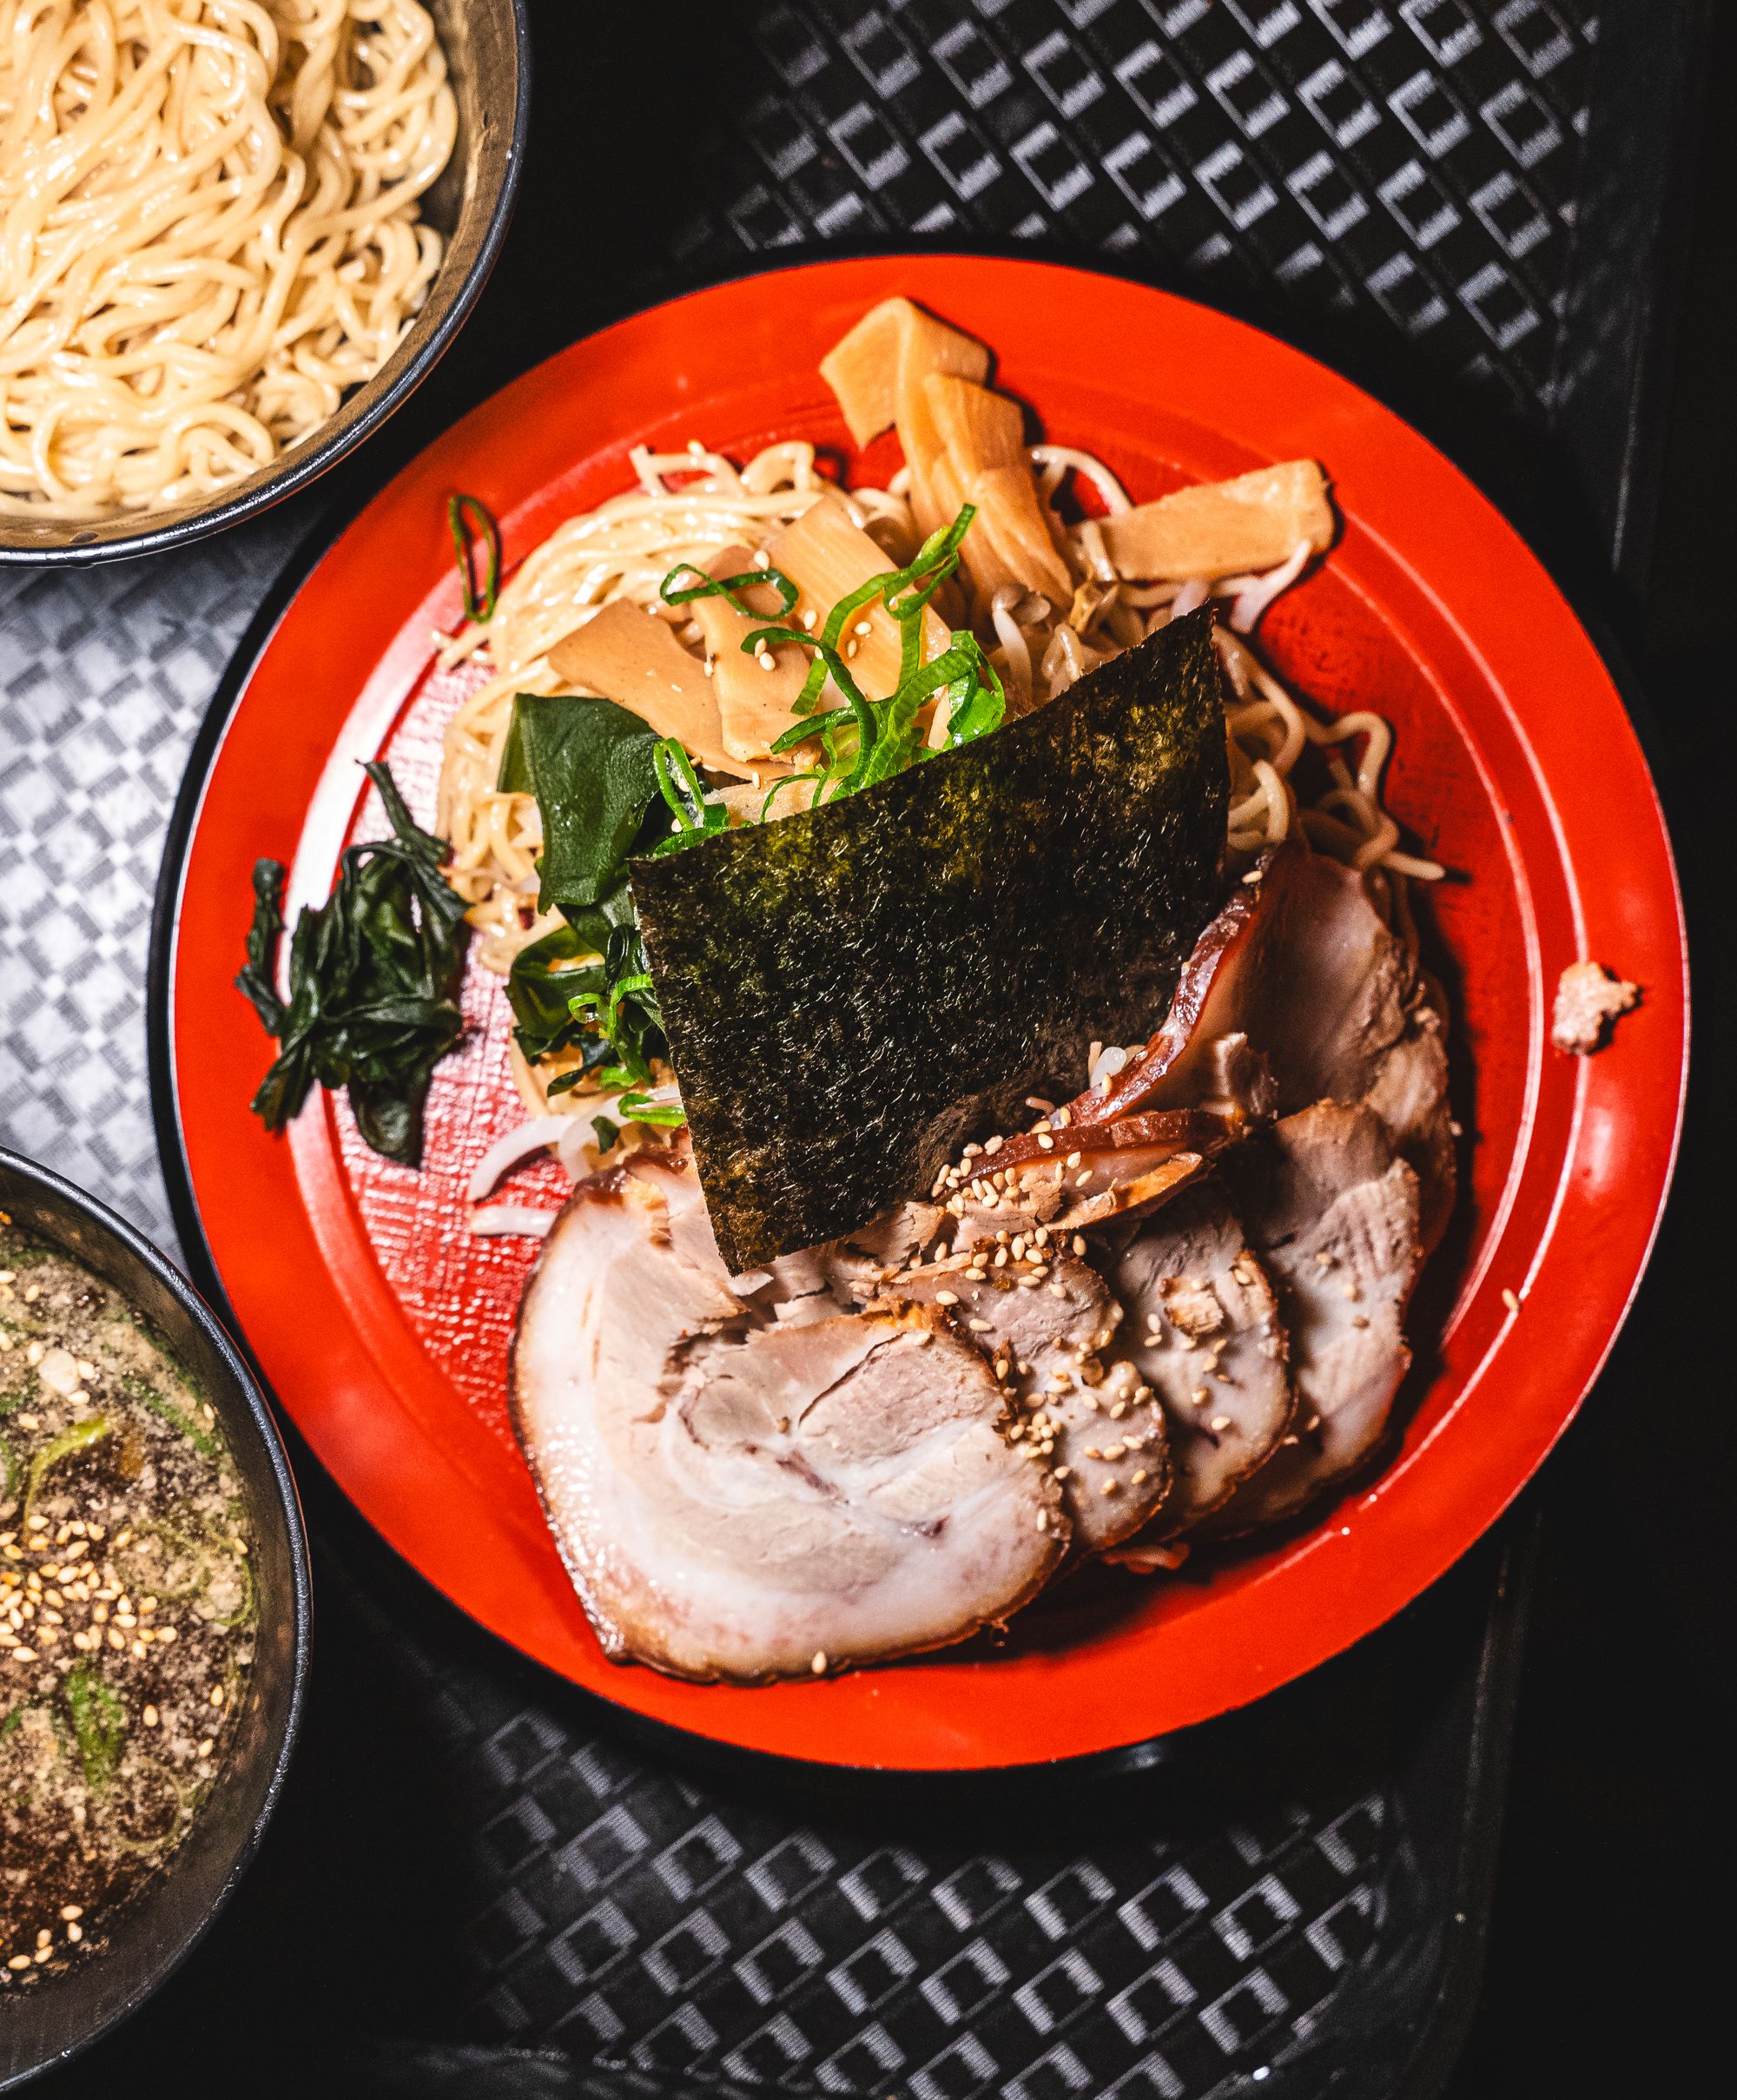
(253, 499)
(21, 1167)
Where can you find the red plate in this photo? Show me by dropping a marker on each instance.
(383, 1326)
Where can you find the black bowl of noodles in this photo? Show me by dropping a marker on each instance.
(155, 1618)
(326, 209)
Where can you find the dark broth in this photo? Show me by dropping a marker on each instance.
(126, 1606)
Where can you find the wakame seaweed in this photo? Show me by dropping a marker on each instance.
(593, 767)
(373, 980)
(852, 991)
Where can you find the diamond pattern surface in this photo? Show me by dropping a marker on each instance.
(632, 1916)
(1414, 167)
(105, 674)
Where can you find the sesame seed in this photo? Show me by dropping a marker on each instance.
(1046, 1143)
(1043, 1520)
(1140, 1476)
(1510, 1301)
(1108, 1487)
(818, 1664)
(978, 1326)
(947, 1297)
(1198, 1398)
(1081, 1179)
(75, 1933)
(992, 1146)
(70, 1912)
(862, 627)
(768, 661)
(149, 1716)
(1221, 1422)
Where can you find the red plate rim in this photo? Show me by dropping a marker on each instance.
(1597, 829)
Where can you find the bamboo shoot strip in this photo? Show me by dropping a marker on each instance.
(852, 991)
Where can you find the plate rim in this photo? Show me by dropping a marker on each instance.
(316, 546)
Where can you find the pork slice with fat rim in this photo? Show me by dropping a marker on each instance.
(1048, 1323)
(1204, 1330)
(1331, 1212)
(741, 1499)
(1298, 992)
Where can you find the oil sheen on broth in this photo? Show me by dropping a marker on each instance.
(126, 1606)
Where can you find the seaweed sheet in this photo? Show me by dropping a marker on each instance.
(852, 991)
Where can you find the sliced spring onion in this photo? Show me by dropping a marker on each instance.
(99, 1723)
(640, 1108)
(680, 786)
(78, 1437)
(473, 524)
(726, 587)
(148, 1397)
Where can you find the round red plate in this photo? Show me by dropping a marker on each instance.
(383, 1326)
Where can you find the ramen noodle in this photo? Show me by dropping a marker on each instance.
(209, 231)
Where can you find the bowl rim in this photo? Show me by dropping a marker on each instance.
(305, 560)
(260, 494)
(18, 1166)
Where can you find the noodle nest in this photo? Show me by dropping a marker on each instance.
(688, 504)
(209, 232)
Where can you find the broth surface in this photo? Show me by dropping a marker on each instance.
(126, 1609)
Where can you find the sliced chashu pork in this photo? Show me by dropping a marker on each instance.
(735, 1498)
(1078, 1179)
(1298, 992)
(1331, 1213)
(1205, 1332)
(1047, 1323)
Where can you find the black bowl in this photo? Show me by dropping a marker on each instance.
(488, 60)
(57, 2016)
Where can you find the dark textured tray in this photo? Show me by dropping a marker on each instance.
(482, 1882)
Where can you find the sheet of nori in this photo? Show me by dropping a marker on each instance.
(851, 993)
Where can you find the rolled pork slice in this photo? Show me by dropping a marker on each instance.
(1298, 992)
(742, 1499)
(1331, 1212)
